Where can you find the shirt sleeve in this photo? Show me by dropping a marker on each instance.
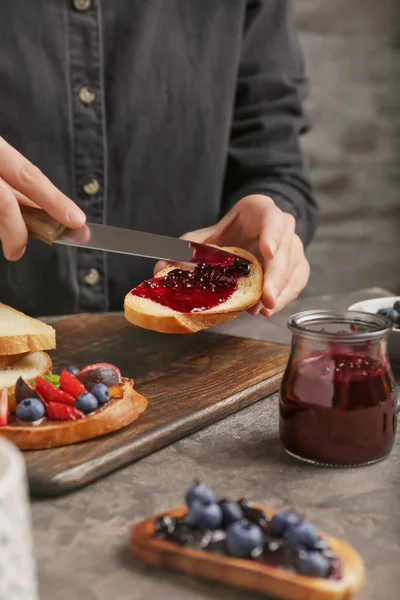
(265, 155)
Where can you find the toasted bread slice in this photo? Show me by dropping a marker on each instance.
(151, 315)
(114, 415)
(28, 367)
(246, 573)
(10, 359)
(20, 333)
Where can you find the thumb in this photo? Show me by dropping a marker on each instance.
(202, 236)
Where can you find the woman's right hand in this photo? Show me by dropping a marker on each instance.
(23, 183)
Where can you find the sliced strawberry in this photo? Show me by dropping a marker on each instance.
(70, 384)
(51, 393)
(4, 407)
(56, 411)
(98, 365)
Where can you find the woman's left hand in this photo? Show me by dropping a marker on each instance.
(256, 224)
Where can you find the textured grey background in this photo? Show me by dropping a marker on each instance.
(352, 49)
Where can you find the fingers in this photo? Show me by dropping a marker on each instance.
(297, 278)
(27, 179)
(13, 233)
(273, 228)
(297, 282)
(277, 270)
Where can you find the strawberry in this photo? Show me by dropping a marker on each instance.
(97, 366)
(70, 384)
(56, 411)
(51, 393)
(4, 407)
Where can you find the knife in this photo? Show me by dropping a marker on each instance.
(123, 241)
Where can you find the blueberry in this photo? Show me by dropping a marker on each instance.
(87, 403)
(396, 306)
(30, 409)
(204, 516)
(231, 512)
(282, 521)
(383, 311)
(304, 534)
(101, 392)
(243, 538)
(312, 564)
(393, 315)
(73, 369)
(201, 492)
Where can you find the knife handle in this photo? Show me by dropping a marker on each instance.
(40, 225)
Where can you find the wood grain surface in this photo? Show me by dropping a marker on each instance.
(190, 382)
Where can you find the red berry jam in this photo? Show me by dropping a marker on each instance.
(338, 408)
(211, 283)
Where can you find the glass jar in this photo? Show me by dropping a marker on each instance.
(338, 400)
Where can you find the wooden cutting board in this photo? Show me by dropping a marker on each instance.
(190, 382)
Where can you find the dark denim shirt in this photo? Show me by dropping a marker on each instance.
(155, 115)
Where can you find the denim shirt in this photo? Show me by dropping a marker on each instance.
(157, 115)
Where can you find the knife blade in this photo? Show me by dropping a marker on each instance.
(127, 241)
(123, 241)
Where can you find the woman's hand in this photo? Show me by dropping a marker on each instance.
(256, 224)
(23, 183)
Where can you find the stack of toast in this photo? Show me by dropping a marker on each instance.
(23, 342)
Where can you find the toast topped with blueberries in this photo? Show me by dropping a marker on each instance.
(250, 547)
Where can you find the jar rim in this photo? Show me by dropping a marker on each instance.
(380, 325)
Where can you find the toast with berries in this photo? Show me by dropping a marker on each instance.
(249, 546)
(78, 405)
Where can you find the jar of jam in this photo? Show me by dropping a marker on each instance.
(338, 400)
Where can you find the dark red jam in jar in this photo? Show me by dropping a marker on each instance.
(338, 402)
(211, 283)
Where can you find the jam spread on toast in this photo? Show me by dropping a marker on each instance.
(241, 530)
(212, 282)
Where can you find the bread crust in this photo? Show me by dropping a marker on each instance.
(114, 415)
(247, 574)
(12, 403)
(193, 322)
(10, 359)
(27, 342)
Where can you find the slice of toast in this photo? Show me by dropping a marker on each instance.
(114, 415)
(10, 359)
(28, 367)
(20, 333)
(248, 574)
(151, 315)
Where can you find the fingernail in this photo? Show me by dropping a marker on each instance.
(273, 247)
(75, 216)
(257, 308)
(275, 293)
(18, 255)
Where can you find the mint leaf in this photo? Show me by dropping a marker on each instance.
(54, 379)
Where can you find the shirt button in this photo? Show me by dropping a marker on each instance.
(87, 95)
(91, 187)
(91, 277)
(82, 5)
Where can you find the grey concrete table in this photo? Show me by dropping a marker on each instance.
(82, 539)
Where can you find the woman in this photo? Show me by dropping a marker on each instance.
(178, 117)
